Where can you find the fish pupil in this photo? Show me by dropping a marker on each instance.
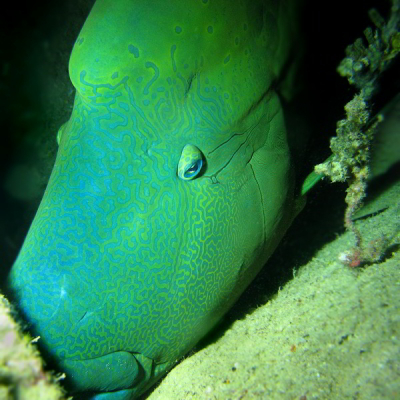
(194, 169)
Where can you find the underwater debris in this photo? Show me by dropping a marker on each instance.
(363, 66)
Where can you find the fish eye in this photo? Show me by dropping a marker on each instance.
(190, 163)
(193, 170)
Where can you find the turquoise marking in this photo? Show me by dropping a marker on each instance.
(173, 49)
(154, 78)
(171, 188)
(134, 50)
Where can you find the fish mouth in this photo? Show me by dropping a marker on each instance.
(113, 372)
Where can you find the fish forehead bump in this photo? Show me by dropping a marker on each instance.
(129, 38)
(160, 60)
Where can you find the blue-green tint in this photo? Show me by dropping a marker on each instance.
(171, 188)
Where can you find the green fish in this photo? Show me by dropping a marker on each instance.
(172, 186)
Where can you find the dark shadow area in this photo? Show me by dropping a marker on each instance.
(36, 97)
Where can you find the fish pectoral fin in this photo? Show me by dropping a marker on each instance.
(312, 179)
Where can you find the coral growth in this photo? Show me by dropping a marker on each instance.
(21, 370)
(363, 66)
